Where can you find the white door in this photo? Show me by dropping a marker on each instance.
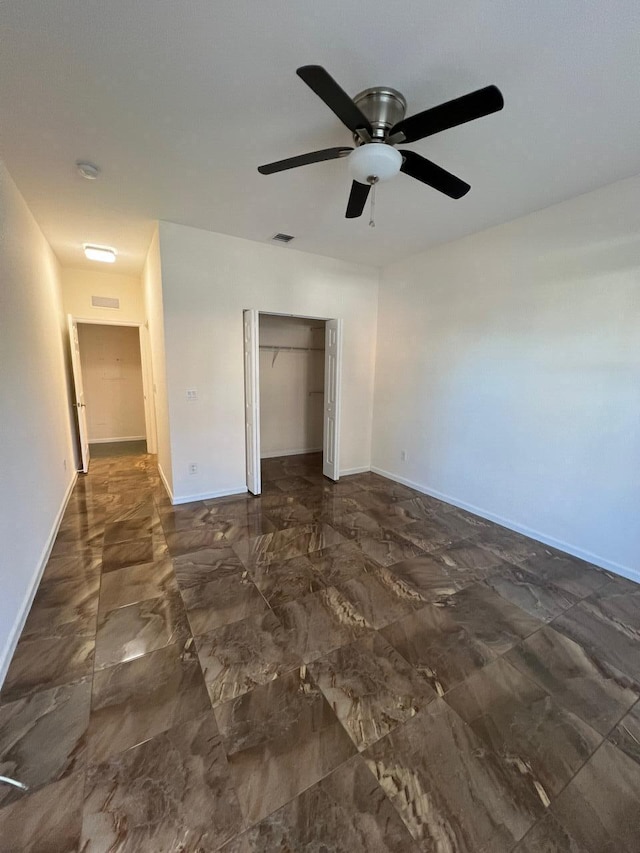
(79, 393)
(332, 373)
(252, 400)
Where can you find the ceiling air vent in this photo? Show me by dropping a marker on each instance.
(105, 302)
(281, 238)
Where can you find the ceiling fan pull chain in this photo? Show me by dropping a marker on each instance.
(372, 221)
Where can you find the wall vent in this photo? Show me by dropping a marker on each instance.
(105, 302)
(282, 238)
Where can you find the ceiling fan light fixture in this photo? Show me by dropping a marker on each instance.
(374, 162)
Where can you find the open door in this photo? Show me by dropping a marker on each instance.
(252, 400)
(79, 393)
(332, 373)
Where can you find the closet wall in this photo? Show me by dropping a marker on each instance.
(112, 379)
(291, 385)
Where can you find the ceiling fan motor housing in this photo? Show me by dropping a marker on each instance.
(384, 107)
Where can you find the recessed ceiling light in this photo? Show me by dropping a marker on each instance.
(87, 170)
(100, 253)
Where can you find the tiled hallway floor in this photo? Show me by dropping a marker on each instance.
(329, 667)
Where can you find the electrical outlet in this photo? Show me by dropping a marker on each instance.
(403, 455)
(193, 468)
(192, 395)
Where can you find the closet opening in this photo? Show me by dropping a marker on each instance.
(292, 385)
(110, 376)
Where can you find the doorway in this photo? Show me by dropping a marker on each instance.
(292, 390)
(110, 380)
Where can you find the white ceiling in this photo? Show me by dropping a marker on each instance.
(179, 102)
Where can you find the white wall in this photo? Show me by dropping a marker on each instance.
(207, 280)
(112, 381)
(508, 368)
(154, 335)
(36, 453)
(79, 285)
(291, 386)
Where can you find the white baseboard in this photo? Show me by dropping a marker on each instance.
(120, 438)
(575, 551)
(361, 469)
(272, 454)
(207, 496)
(7, 653)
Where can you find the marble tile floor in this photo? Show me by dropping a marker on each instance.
(327, 667)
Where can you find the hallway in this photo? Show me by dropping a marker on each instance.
(349, 666)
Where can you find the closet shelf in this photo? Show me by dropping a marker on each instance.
(275, 349)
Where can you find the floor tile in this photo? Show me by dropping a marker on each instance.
(340, 563)
(125, 531)
(43, 737)
(82, 565)
(574, 576)
(66, 608)
(287, 580)
(381, 597)
(123, 554)
(136, 583)
(599, 808)
(280, 738)
(601, 629)
(387, 546)
(321, 622)
(531, 592)
(127, 633)
(195, 539)
(523, 724)
(47, 821)
(428, 535)
(172, 792)
(284, 544)
(290, 515)
(135, 701)
(489, 618)
(438, 647)
(626, 735)
(222, 601)
(469, 559)
(238, 657)
(430, 578)
(594, 691)
(208, 564)
(452, 792)
(47, 662)
(345, 811)
(370, 687)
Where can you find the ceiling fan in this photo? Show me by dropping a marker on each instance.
(376, 119)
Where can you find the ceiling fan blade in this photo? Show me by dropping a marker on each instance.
(424, 170)
(304, 160)
(467, 108)
(325, 87)
(357, 199)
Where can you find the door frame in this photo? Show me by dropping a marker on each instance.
(256, 397)
(148, 383)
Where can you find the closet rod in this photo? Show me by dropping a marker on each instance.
(286, 349)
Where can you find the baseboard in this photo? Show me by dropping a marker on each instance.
(7, 653)
(207, 496)
(568, 548)
(361, 469)
(272, 454)
(115, 440)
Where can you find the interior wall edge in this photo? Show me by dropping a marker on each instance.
(7, 653)
(573, 550)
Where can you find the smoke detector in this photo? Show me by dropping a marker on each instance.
(87, 170)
